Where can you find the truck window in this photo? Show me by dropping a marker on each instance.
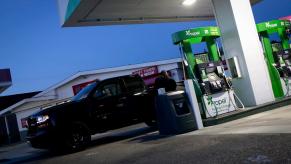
(108, 90)
(84, 92)
(134, 84)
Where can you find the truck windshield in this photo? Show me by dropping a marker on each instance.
(84, 92)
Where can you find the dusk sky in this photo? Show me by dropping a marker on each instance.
(40, 53)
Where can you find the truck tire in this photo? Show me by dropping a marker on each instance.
(77, 137)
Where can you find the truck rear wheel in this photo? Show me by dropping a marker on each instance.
(77, 137)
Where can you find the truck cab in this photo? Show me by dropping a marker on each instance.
(102, 105)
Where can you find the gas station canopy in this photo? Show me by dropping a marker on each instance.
(113, 12)
(234, 18)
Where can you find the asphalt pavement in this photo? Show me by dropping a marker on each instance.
(260, 138)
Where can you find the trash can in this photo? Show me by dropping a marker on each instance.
(174, 114)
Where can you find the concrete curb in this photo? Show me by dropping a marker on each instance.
(247, 112)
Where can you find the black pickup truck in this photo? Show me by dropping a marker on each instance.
(102, 105)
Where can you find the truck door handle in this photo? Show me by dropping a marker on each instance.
(120, 105)
(122, 98)
(101, 105)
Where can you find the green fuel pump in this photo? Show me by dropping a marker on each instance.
(194, 36)
(212, 89)
(277, 62)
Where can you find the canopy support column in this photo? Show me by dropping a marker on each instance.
(240, 40)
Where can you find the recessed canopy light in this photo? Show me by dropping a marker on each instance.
(188, 2)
